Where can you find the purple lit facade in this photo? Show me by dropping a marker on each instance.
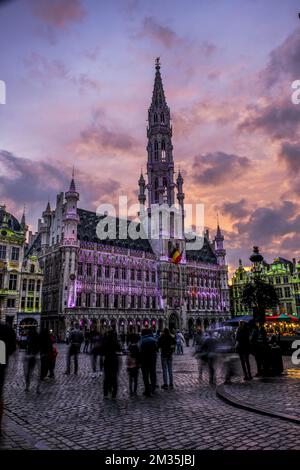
(127, 282)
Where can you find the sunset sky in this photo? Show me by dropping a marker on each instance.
(79, 78)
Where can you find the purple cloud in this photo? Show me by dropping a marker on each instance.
(218, 167)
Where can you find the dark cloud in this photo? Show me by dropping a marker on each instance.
(59, 14)
(23, 180)
(290, 155)
(32, 182)
(236, 210)
(279, 120)
(268, 223)
(169, 39)
(218, 167)
(102, 137)
(284, 61)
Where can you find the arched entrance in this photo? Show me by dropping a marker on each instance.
(173, 322)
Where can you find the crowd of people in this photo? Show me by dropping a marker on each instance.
(106, 347)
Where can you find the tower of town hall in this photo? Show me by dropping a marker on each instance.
(153, 280)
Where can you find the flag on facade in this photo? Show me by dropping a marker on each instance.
(175, 255)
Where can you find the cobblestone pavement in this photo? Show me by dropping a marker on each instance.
(70, 413)
(278, 395)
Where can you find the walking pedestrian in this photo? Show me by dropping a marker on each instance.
(166, 343)
(8, 337)
(75, 341)
(179, 342)
(111, 348)
(97, 351)
(133, 364)
(259, 344)
(148, 352)
(46, 347)
(32, 362)
(243, 348)
(86, 341)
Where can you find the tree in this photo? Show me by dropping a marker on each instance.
(259, 296)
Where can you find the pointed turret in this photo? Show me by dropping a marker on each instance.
(71, 218)
(219, 245)
(142, 185)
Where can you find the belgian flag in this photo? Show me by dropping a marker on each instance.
(175, 255)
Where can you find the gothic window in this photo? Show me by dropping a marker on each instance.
(155, 118)
(116, 301)
(123, 273)
(160, 99)
(147, 302)
(147, 276)
(156, 150)
(153, 276)
(79, 269)
(107, 271)
(123, 301)
(99, 271)
(78, 300)
(139, 301)
(106, 301)
(116, 273)
(162, 117)
(132, 276)
(88, 269)
(98, 300)
(132, 302)
(163, 150)
(88, 300)
(156, 190)
(139, 275)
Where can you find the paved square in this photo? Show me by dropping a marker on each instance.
(70, 413)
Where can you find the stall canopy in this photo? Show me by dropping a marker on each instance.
(245, 318)
(281, 317)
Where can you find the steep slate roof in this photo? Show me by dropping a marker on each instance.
(87, 232)
(204, 255)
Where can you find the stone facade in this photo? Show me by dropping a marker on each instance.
(21, 277)
(285, 277)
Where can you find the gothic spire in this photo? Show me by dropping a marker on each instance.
(72, 184)
(158, 95)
